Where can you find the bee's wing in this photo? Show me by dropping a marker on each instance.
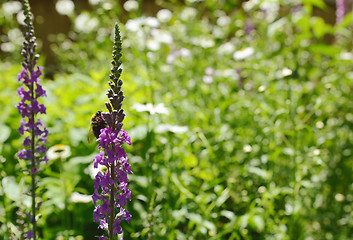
(91, 136)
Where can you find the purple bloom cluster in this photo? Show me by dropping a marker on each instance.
(340, 10)
(249, 27)
(29, 107)
(111, 187)
(115, 160)
(29, 92)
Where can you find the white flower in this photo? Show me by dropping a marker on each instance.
(226, 73)
(261, 189)
(164, 15)
(184, 52)
(80, 198)
(65, 7)
(262, 88)
(209, 71)
(243, 53)
(194, 1)
(284, 73)
(346, 56)
(319, 124)
(247, 148)
(250, 4)
(11, 7)
(107, 5)
(269, 6)
(84, 23)
(133, 25)
(339, 197)
(206, 43)
(218, 32)
(59, 151)
(153, 45)
(223, 21)
(271, 9)
(207, 79)
(203, 42)
(149, 107)
(15, 36)
(171, 128)
(131, 5)
(152, 22)
(188, 13)
(226, 48)
(95, 2)
(7, 47)
(316, 152)
(21, 17)
(161, 36)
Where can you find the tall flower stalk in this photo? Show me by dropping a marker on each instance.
(340, 10)
(110, 187)
(29, 107)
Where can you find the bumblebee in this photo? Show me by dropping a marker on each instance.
(97, 123)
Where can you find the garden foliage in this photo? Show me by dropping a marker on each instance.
(241, 115)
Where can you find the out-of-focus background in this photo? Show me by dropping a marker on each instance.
(240, 113)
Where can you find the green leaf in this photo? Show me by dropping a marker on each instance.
(317, 3)
(276, 26)
(259, 172)
(257, 223)
(190, 160)
(320, 28)
(11, 188)
(78, 135)
(14, 191)
(324, 49)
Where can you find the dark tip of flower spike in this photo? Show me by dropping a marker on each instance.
(118, 106)
(121, 96)
(121, 115)
(114, 114)
(110, 93)
(109, 107)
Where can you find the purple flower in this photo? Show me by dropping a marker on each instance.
(249, 27)
(107, 183)
(101, 237)
(29, 235)
(111, 187)
(340, 10)
(29, 107)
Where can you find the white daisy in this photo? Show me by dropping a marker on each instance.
(243, 53)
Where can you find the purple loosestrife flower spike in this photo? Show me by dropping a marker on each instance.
(34, 144)
(111, 187)
(340, 10)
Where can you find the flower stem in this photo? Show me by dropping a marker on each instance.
(33, 173)
(34, 223)
(112, 207)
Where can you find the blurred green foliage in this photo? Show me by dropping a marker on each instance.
(254, 138)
